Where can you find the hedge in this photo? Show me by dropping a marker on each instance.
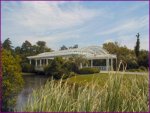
(88, 70)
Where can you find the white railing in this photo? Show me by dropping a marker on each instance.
(102, 68)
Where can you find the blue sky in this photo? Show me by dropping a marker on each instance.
(69, 23)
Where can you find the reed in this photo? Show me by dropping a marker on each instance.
(117, 95)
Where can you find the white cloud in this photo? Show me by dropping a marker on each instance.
(125, 26)
(42, 15)
(40, 20)
(57, 22)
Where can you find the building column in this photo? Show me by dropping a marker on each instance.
(30, 61)
(111, 64)
(40, 62)
(91, 63)
(36, 62)
(46, 61)
(116, 64)
(81, 65)
(107, 64)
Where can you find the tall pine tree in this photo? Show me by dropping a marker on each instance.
(7, 45)
(137, 46)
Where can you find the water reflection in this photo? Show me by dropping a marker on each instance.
(31, 82)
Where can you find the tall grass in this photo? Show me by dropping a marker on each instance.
(117, 95)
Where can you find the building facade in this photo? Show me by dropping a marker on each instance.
(92, 53)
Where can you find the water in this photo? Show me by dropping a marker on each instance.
(31, 82)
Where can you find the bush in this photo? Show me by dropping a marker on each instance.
(88, 70)
(27, 68)
(71, 66)
(11, 79)
(59, 69)
(142, 68)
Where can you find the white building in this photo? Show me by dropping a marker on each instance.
(92, 53)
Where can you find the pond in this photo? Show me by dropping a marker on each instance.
(31, 82)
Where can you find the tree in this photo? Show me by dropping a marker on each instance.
(18, 50)
(143, 58)
(75, 46)
(123, 53)
(11, 81)
(26, 50)
(26, 47)
(63, 47)
(41, 43)
(137, 46)
(7, 45)
(41, 47)
(71, 47)
(111, 47)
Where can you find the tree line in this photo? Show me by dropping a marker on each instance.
(137, 58)
(134, 58)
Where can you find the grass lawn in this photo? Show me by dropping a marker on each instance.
(28, 74)
(102, 78)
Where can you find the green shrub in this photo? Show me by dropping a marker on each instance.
(142, 68)
(27, 68)
(59, 69)
(11, 80)
(71, 66)
(133, 70)
(88, 70)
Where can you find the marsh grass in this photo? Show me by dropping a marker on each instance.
(117, 95)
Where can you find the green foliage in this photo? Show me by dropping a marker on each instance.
(57, 68)
(7, 45)
(140, 69)
(137, 46)
(26, 67)
(27, 49)
(71, 74)
(63, 47)
(122, 52)
(127, 55)
(78, 59)
(88, 70)
(18, 50)
(11, 80)
(143, 68)
(143, 58)
(62, 68)
(41, 47)
(71, 66)
(131, 61)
